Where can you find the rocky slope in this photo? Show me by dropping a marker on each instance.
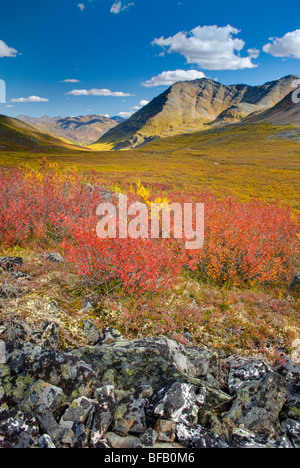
(189, 106)
(82, 130)
(284, 113)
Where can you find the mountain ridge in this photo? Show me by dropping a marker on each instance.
(283, 113)
(193, 105)
(81, 130)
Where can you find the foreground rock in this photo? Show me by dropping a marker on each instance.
(10, 263)
(151, 392)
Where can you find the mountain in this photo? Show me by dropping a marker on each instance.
(284, 113)
(16, 135)
(82, 130)
(193, 105)
(118, 119)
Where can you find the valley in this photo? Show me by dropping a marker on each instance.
(149, 227)
(247, 160)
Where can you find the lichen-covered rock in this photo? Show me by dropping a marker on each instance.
(48, 425)
(295, 285)
(206, 364)
(104, 413)
(150, 361)
(295, 357)
(2, 352)
(63, 370)
(110, 335)
(91, 332)
(258, 405)
(292, 428)
(81, 434)
(147, 440)
(180, 403)
(130, 415)
(47, 336)
(248, 371)
(41, 393)
(143, 390)
(15, 331)
(54, 257)
(50, 337)
(215, 399)
(199, 437)
(18, 430)
(120, 442)
(10, 263)
(291, 372)
(46, 442)
(77, 413)
(244, 439)
(13, 388)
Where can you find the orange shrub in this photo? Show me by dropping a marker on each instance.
(245, 242)
(248, 242)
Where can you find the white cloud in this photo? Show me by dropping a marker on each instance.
(97, 92)
(6, 51)
(167, 78)
(125, 115)
(286, 46)
(117, 7)
(143, 103)
(210, 47)
(81, 6)
(70, 81)
(30, 99)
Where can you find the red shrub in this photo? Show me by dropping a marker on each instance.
(248, 242)
(31, 201)
(245, 242)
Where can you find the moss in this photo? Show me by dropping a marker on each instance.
(74, 404)
(65, 370)
(295, 411)
(120, 412)
(4, 371)
(21, 386)
(75, 394)
(4, 407)
(129, 372)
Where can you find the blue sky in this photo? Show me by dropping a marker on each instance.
(120, 53)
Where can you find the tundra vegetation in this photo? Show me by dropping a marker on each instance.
(232, 295)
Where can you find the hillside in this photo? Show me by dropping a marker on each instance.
(191, 106)
(19, 136)
(248, 160)
(83, 130)
(284, 113)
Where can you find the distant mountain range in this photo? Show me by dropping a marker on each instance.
(82, 130)
(194, 105)
(185, 107)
